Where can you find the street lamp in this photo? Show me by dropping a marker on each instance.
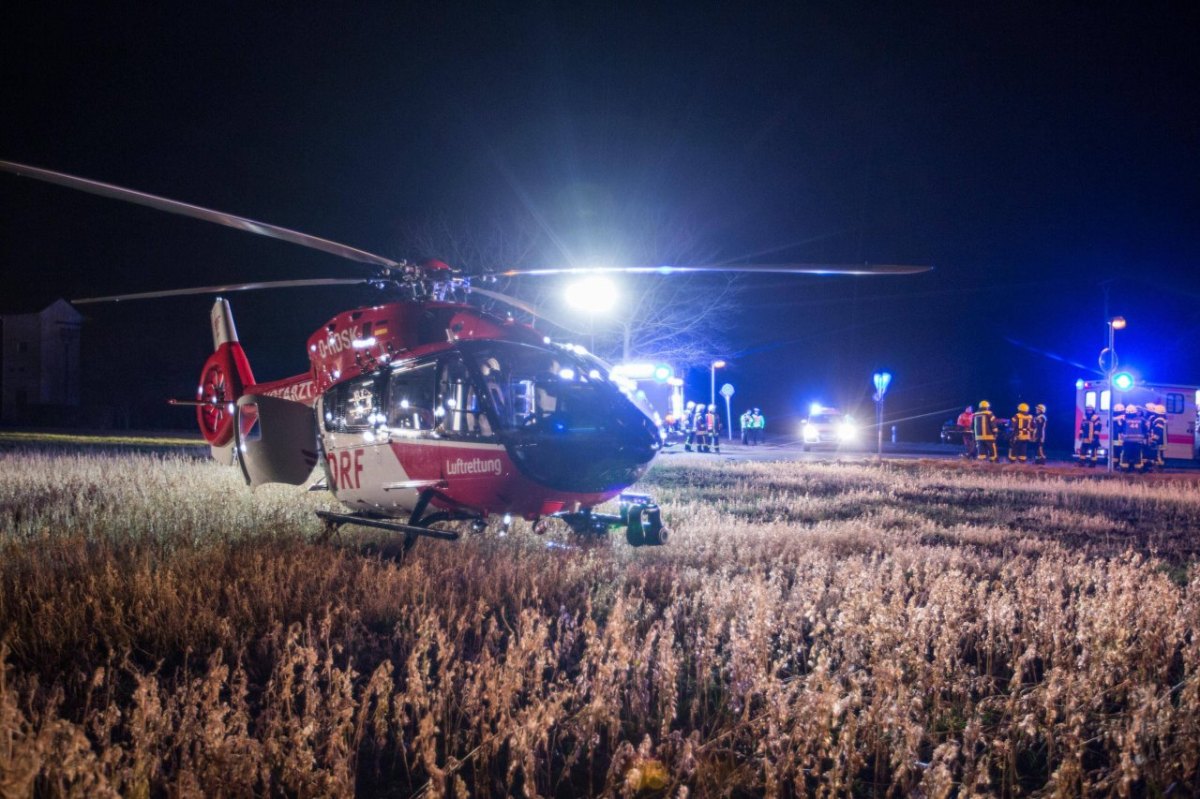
(712, 394)
(1109, 364)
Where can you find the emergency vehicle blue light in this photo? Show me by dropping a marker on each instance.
(1123, 381)
(1079, 384)
(662, 373)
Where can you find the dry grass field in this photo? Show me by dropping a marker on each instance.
(911, 629)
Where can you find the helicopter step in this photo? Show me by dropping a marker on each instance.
(338, 519)
(639, 514)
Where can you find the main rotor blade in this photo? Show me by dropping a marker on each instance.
(762, 269)
(521, 305)
(196, 212)
(270, 284)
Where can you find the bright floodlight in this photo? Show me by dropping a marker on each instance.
(718, 364)
(592, 294)
(1123, 381)
(1118, 323)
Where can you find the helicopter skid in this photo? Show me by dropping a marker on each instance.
(337, 519)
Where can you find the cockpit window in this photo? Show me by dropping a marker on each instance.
(411, 393)
(552, 391)
(353, 405)
(460, 411)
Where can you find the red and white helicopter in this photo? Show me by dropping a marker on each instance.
(425, 409)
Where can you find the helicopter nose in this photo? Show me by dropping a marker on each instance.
(587, 461)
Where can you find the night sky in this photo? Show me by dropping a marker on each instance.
(1040, 159)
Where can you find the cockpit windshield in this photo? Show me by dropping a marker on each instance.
(549, 390)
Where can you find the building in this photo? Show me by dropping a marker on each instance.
(39, 363)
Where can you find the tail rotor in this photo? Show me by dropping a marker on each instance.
(224, 378)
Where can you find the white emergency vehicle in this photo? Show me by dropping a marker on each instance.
(1182, 404)
(656, 390)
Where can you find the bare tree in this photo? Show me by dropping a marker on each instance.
(680, 318)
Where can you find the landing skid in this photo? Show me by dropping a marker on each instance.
(418, 525)
(336, 520)
(639, 515)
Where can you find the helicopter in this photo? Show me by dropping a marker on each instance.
(425, 409)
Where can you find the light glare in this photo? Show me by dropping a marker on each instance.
(593, 294)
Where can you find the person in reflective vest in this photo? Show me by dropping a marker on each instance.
(983, 427)
(1137, 436)
(1118, 431)
(758, 426)
(745, 422)
(712, 422)
(1089, 436)
(963, 423)
(700, 425)
(689, 425)
(1022, 434)
(1039, 435)
(1158, 434)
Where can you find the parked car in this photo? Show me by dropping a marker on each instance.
(951, 432)
(828, 427)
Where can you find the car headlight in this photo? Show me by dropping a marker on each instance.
(848, 431)
(811, 434)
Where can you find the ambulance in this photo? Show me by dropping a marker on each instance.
(1182, 404)
(657, 391)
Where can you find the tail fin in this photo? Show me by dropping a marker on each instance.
(224, 378)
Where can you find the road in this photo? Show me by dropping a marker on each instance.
(794, 451)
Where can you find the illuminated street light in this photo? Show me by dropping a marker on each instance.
(712, 395)
(593, 294)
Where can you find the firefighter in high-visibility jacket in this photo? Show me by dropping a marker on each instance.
(712, 421)
(983, 427)
(700, 425)
(1039, 434)
(689, 425)
(1022, 434)
(1089, 436)
(1137, 436)
(1158, 434)
(1118, 431)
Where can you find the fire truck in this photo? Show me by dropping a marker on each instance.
(1182, 404)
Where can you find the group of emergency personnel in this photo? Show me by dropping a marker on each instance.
(1027, 434)
(701, 426)
(1139, 437)
(753, 425)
